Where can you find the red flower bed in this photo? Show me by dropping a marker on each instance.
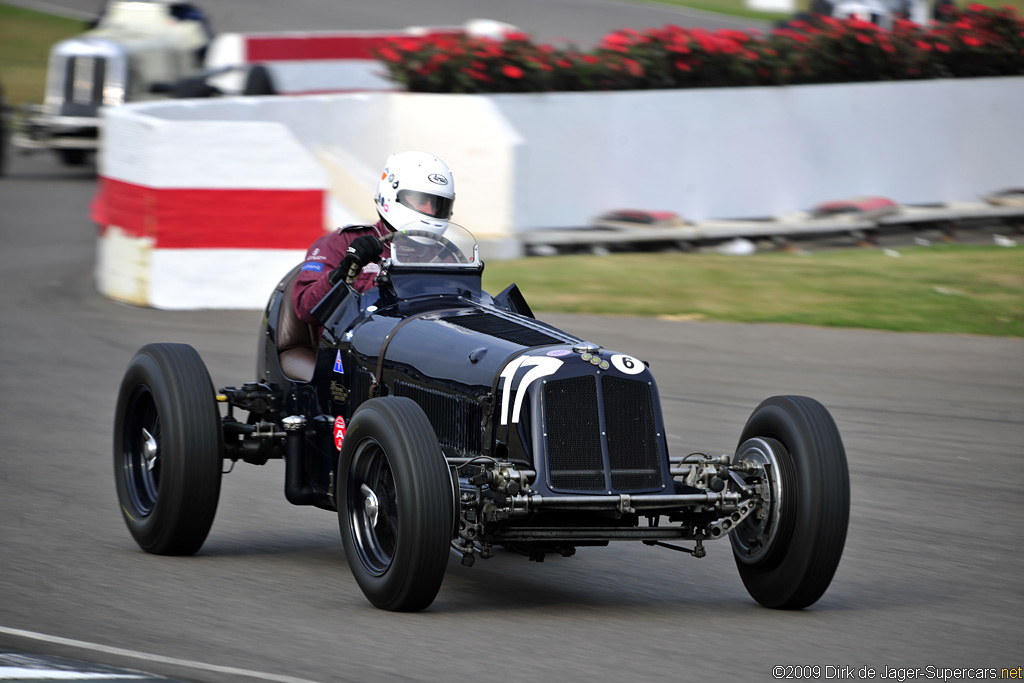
(978, 41)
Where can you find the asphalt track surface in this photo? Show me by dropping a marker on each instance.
(581, 22)
(931, 576)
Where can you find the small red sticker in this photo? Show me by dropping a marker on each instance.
(339, 431)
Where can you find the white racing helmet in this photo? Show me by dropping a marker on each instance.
(416, 190)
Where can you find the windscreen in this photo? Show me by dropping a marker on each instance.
(416, 245)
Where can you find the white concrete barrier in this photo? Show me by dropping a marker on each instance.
(525, 163)
(203, 214)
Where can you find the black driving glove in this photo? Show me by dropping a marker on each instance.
(363, 250)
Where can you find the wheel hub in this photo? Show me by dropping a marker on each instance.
(754, 537)
(371, 504)
(149, 449)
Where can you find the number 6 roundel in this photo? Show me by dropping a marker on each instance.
(627, 364)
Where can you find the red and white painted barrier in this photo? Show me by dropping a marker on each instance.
(203, 214)
(297, 63)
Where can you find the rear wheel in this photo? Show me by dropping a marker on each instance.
(395, 511)
(788, 551)
(167, 449)
(73, 157)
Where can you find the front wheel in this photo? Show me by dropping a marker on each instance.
(788, 551)
(167, 449)
(396, 510)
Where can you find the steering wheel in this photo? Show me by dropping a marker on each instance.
(447, 246)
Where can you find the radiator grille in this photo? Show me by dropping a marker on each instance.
(456, 421)
(631, 434)
(496, 326)
(84, 77)
(573, 431)
(359, 389)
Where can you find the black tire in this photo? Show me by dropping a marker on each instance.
(259, 81)
(72, 157)
(167, 449)
(788, 557)
(391, 456)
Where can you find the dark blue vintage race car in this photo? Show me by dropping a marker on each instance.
(436, 418)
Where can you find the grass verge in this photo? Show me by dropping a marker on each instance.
(25, 41)
(946, 289)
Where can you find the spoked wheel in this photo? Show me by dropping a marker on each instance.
(374, 519)
(396, 510)
(787, 552)
(167, 449)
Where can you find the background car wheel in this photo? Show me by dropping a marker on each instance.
(167, 449)
(259, 81)
(73, 157)
(395, 510)
(788, 555)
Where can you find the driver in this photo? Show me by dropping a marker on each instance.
(415, 187)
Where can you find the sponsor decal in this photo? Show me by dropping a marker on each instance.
(594, 360)
(339, 432)
(391, 178)
(559, 352)
(318, 267)
(604, 365)
(338, 367)
(541, 366)
(339, 394)
(437, 179)
(627, 364)
(586, 356)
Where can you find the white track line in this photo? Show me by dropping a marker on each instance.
(94, 647)
(22, 674)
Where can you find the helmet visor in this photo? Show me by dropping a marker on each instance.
(428, 204)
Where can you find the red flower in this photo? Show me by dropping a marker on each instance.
(512, 71)
(589, 59)
(924, 45)
(682, 66)
(634, 67)
(973, 41)
(942, 47)
(864, 39)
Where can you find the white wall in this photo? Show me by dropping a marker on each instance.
(756, 152)
(529, 162)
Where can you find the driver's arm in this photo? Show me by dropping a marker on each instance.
(328, 261)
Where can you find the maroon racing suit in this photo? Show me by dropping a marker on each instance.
(323, 256)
